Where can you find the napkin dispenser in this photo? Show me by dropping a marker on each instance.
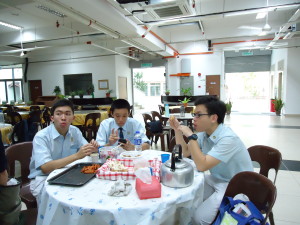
(146, 191)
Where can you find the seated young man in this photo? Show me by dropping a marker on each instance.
(121, 126)
(215, 148)
(56, 145)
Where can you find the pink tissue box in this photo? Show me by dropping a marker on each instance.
(146, 191)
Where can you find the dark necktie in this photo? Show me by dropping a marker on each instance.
(121, 132)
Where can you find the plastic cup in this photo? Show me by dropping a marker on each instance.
(95, 157)
(165, 157)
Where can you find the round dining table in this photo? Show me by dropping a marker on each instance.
(90, 204)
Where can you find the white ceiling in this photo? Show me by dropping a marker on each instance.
(112, 28)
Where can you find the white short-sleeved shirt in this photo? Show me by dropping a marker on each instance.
(129, 129)
(224, 145)
(49, 145)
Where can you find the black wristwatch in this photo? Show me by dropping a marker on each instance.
(192, 137)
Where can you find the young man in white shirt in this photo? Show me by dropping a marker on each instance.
(215, 148)
(121, 126)
(57, 145)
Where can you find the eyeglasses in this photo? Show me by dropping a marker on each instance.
(197, 115)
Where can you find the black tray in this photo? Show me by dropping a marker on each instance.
(73, 176)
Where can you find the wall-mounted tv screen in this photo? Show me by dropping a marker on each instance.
(76, 82)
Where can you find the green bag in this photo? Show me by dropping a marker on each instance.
(10, 204)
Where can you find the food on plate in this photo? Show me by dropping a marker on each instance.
(90, 169)
(117, 166)
(129, 155)
(172, 118)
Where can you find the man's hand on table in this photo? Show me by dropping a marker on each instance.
(86, 150)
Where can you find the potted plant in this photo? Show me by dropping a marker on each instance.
(90, 90)
(29, 103)
(185, 101)
(108, 92)
(57, 90)
(167, 92)
(278, 104)
(228, 107)
(186, 91)
(72, 94)
(80, 93)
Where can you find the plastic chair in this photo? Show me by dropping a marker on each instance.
(189, 109)
(21, 152)
(259, 189)
(28, 216)
(130, 111)
(13, 118)
(90, 130)
(268, 158)
(46, 117)
(150, 135)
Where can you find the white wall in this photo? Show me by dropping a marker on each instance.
(206, 64)
(51, 73)
(292, 105)
(287, 61)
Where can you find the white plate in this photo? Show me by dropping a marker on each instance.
(131, 154)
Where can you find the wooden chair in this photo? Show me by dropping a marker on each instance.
(268, 158)
(173, 143)
(175, 110)
(90, 129)
(13, 118)
(157, 117)
(130, 111)
(28, 216)
(151, 135)
(259, 189)
(161, 109)
(21, 152)
(189, 109)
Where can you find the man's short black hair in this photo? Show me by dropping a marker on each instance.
(61, 103)
(120, 104)
(213, 105)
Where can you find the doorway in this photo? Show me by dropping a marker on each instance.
(149, 84)
(35, 89)
(213, 85)
(248, 92)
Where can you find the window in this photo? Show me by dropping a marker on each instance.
(11, 84)
(154, 89)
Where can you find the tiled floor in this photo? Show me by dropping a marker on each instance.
(283, 133)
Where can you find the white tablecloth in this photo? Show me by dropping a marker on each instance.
(90, 204)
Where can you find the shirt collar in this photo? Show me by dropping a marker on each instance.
(215, 135)
(55, 133)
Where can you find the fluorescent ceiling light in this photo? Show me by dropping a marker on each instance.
(10, 25)
(263, 33)
(261, 15)
(51, 11)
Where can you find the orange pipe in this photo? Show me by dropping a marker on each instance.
(232, 42)
(180, 75)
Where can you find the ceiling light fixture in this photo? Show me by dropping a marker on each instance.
(52, 11)
(267, 27)
(10, 25)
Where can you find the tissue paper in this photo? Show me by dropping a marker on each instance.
(144, 174)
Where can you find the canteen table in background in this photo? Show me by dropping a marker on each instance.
(6, 130)
(91, 204)
(81, 114)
